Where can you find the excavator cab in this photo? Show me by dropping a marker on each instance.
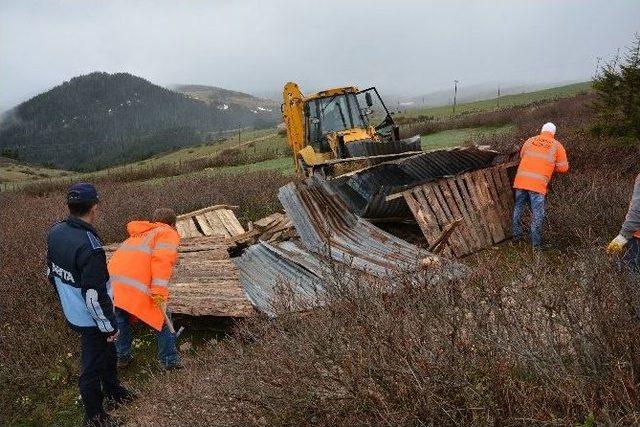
(331, 132)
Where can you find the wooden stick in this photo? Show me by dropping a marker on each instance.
(444, 237)
(167, 319)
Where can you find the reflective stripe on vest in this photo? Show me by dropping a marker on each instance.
(127, 281)
(160, 282)
(550, 156)
(162, 245)
(533, 175)
(144, 246)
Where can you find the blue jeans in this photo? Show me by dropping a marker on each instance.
(167, 351)
(536, 202)
(631, 259)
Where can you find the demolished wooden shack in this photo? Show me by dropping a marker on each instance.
(481, 200)
(332, 242)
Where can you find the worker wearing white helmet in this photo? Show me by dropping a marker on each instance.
(540, 157)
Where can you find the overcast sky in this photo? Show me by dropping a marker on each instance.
(403, 47)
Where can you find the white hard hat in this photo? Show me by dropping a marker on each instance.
(549, 127)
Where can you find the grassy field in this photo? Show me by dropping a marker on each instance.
(505, 101)
(12, 171)
(457, 137)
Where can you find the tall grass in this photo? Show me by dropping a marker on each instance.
(527, 339)
(35, 341)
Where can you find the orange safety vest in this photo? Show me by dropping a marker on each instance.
(540, 156)
(142, 267)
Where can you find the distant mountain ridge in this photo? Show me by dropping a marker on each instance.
(101, 119)
(219, 97)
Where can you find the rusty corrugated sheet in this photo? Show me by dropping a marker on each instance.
(326, 226)
(283, 272)
(375, 148)
(365, 191)
(217, 221)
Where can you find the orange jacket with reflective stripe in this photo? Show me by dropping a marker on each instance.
(142, 267)
(540, 157)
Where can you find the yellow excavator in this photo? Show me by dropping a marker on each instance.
(330, 132)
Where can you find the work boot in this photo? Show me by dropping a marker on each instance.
(543, 247)
(100, 420)
(122, 397)
(174, 366)
(123, 362)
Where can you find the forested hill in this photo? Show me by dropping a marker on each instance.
(102, 119)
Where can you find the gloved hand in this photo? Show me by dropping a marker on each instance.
(158, 300)
(617, 245)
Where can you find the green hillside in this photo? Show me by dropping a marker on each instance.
(266, 149)
(100, 119)
(503, 101)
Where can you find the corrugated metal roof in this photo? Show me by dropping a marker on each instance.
(326, 226)
(365, 191)
(284, 272)
(374, 148)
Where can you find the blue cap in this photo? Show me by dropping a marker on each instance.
(82, 192)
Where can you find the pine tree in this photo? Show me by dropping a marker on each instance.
(618, 89)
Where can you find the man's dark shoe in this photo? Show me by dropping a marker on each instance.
(123, 397)
(542, 247)
(174, 366)
(101, 420)
(123, 362)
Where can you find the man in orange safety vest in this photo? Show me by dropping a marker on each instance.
(540, 157)
(140, 271)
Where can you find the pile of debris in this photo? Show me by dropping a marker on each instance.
(460, 198)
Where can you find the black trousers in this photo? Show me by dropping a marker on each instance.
(99, 374)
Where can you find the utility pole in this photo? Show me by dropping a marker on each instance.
(455, 95)
(239, 133)
(498, 98)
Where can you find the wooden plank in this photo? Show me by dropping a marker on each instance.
(443, 186)
(505, 181)
(193, 231)
(491, 216)
(441, 217)
(216, 225)
(204, 210)
(230, 222)
(204, 224)
(467, 225)
(429, 228)
(493, 194)
(476, 209)
(504, 194)
(489, 212)
(456, 236)
(495, 188)
(473, 223)
(427, 220)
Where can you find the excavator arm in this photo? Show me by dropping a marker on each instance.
(293, 115)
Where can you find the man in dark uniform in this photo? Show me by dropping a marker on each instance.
(77, 269)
